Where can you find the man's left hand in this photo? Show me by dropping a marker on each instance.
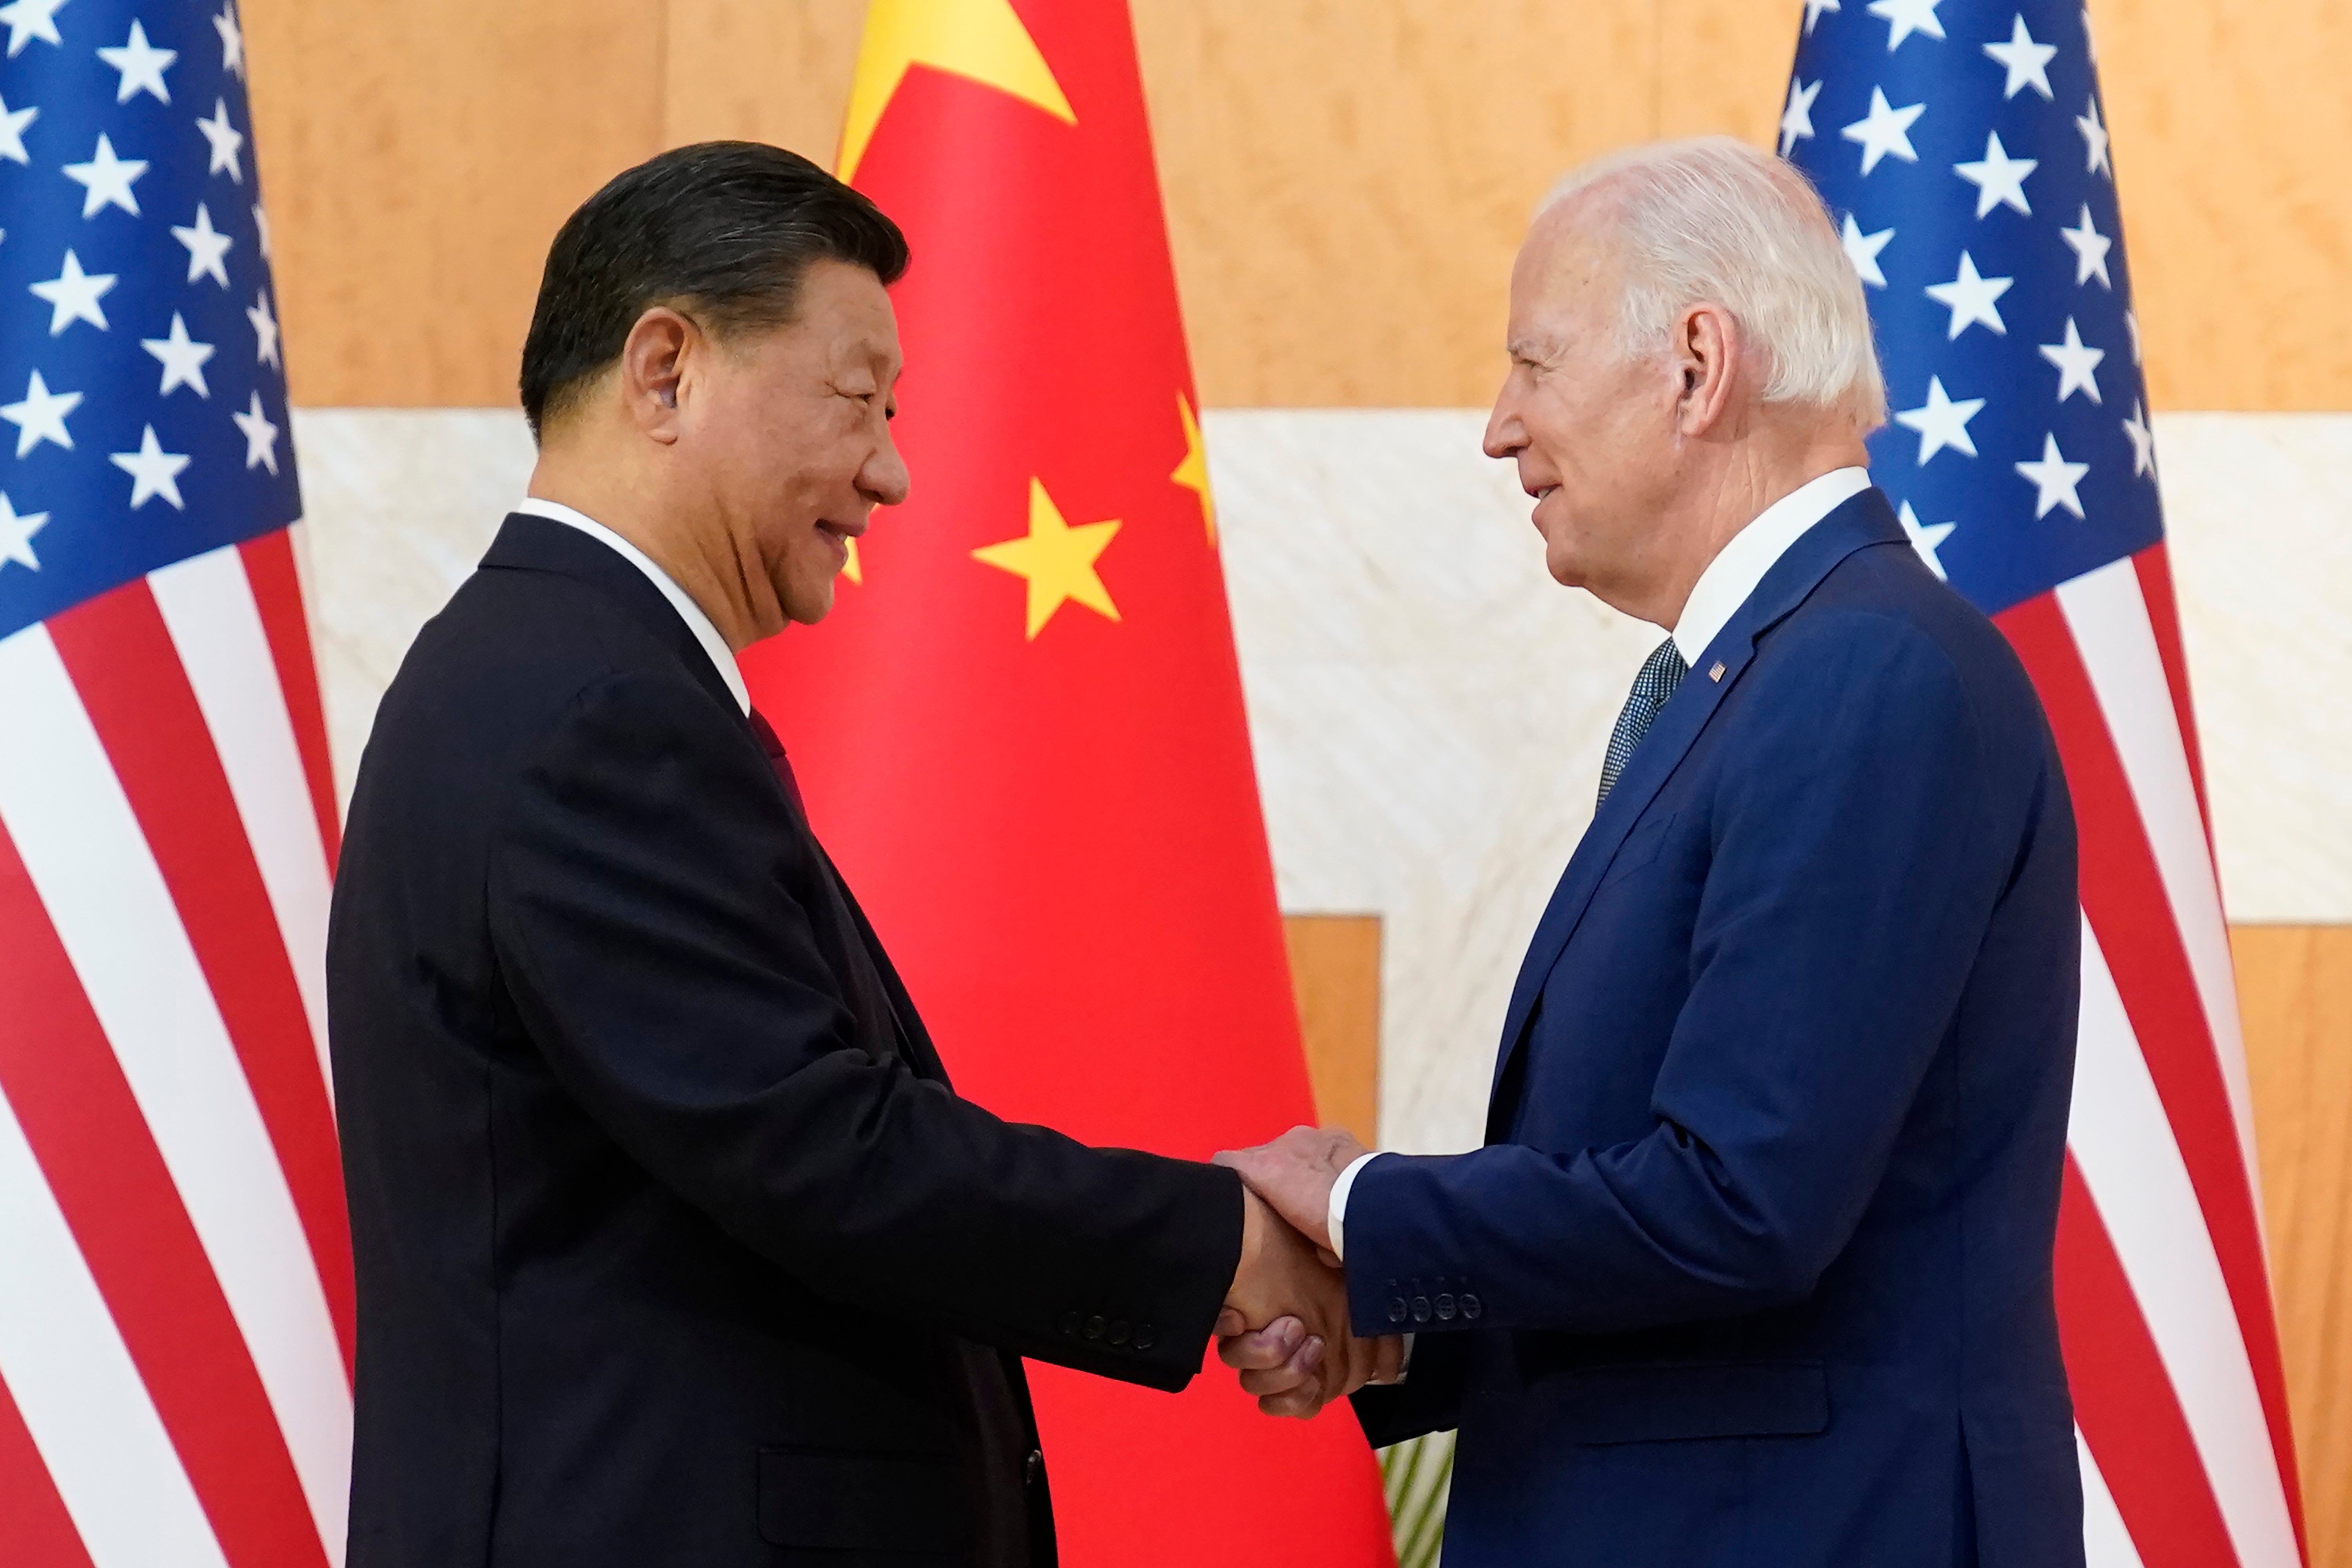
(1295, 1173)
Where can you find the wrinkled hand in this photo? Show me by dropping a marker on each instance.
(1296, 1174)
(1285, 1326)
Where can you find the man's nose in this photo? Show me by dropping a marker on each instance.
(1505, 437)
(885, 479)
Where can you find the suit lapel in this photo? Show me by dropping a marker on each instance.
(528, 542)
(914, 1041)
(862, 950)
(1863, 520)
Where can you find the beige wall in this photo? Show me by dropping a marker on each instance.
(1345, 182)
(2295, 986)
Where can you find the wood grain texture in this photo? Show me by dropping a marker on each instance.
(1722, 68)
(1345, 183)
(2230, 124)
(1335, 970)
(418, 158)
(760, 72)
(2294, 992)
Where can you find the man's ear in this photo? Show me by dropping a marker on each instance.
(1708, 350)
(653, 368)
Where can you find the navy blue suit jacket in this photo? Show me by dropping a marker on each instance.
(1755, 1268)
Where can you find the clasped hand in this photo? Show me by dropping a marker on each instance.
(1286, 1323)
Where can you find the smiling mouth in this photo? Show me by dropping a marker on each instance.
(840, 533)
(1540, 491)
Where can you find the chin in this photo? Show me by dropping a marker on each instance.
(1565, 568)
(808, 605)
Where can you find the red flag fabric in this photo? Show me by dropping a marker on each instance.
(1021, 731)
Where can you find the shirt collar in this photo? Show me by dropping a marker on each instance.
(679, 600)
(1741, 564)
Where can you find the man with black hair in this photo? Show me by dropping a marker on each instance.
(674, 1245)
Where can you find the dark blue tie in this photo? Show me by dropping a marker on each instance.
(1660, 673)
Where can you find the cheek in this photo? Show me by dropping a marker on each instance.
(827, 460)
(1564, 432)
(1615, 443)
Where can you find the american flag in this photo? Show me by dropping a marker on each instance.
(1963, 148)
(176, 1285)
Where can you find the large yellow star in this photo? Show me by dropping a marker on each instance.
(853, 569)
(1056, 559)
(1193, 472)
(981, 39)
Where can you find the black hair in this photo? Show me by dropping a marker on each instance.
(724, 231)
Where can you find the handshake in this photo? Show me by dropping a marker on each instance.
(1284, 1327)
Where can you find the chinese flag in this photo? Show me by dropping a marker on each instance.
(1020, 733)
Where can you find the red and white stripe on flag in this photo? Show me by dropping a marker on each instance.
(2164, 1303)
(176, 1274)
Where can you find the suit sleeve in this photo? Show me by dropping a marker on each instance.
(1855, 864)
(1428, 1400)
(641, 912)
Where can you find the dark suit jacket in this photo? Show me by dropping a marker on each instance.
(1756, 1268)
(667, 1255)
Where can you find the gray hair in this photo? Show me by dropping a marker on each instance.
(1713, 219)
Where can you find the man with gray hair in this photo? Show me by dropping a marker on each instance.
(1755, 1267)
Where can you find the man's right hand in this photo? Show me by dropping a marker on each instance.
(1285, 1326)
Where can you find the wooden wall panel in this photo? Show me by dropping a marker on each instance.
(1344, 181)
(1723, 67)
(2294, 990)
(1334, 971)
(2230, 125)
(760, 72)
(417, 159)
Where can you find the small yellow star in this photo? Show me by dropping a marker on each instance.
(1193, 472)
(853, 569)
(1056, 559)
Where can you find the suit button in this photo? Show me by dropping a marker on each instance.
(1143, 1336)
(1445, 1309)
(1421, 1309)
(1094, 1328)
(1034, 1471)
(1396, 1309)
(1069, 1323)
(1470, 1307)
(1119, 1332)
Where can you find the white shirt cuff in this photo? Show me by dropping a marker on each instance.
(1335, 1220)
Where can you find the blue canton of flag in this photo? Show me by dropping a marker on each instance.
(139, 371)
(1962, 147)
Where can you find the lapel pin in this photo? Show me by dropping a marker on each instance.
(1716, 673)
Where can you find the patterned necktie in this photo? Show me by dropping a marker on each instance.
(1662, 672)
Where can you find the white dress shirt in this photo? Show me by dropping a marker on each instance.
(1715, 598)
(721, 655)
(1754, 550)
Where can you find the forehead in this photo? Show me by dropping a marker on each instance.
(844, 310)
(1565, 263)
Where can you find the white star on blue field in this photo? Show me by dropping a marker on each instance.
(141, 382)
(1963, 151)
